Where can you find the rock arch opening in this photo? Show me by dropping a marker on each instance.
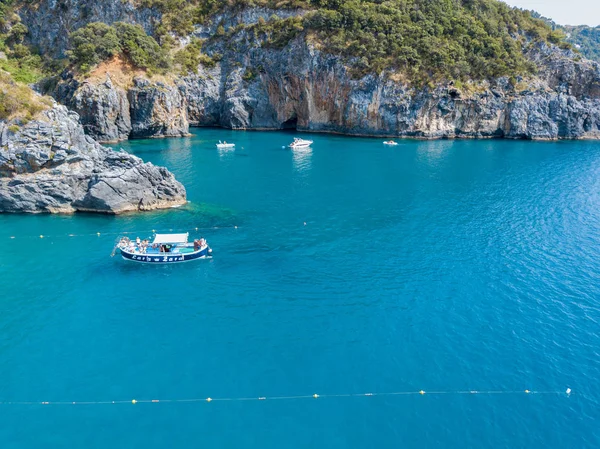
(291, 123)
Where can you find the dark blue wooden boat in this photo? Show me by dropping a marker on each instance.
(164, 248)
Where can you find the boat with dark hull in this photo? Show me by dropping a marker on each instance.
(164, 248)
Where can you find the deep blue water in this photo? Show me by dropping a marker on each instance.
(442, 266)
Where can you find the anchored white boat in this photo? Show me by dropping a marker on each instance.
(299, 144)
(225, 145)
(165, 248)
(390, 143)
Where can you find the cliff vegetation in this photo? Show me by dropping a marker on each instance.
(98, 42)
(18, 102)
(585, 39)
(426, 40)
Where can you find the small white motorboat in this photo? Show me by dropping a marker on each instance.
(225, 145)
(390, 143)
(299, 144)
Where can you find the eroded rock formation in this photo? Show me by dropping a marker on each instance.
(50, 165)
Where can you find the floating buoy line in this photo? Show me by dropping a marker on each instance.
(566, 392)
(99, 234)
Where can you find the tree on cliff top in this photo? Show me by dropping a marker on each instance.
(98, 42)
(94, 43)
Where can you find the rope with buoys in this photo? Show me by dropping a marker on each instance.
(566, 392)
(98, 234)
(127, 233)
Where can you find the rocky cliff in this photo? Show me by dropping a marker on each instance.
(111, 113)
(299, 85)
(50, 165)
(49, 22)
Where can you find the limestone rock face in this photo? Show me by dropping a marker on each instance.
(110, 113)
(50, 21)
(103, 110)
(157, 110)
(50, 165)
(300, 87)
(202, 93)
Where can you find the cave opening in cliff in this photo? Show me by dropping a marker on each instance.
(291, 123)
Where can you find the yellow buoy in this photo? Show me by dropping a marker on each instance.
(208, 399)
(133, 401)
(315, 395)
(527, 391)
(421, 392)
(41, 236)
(97, 233)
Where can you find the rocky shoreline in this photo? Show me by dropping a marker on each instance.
(50, 165)
(252, 83)
(301, 88)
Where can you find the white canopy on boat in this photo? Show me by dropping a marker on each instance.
(171, 238)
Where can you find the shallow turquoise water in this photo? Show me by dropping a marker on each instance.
(443, 266)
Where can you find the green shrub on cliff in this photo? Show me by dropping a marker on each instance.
(180, 16)
(142, 50)
(18, 101)
(190, 57)
(22, 61)
(586, 40)
(278, 32)
(94, 43)
(24, 66)
(98, 42)
(452, 39)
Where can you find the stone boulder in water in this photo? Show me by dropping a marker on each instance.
(50, 165)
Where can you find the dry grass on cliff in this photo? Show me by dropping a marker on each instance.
(18, 102)
(122, 73)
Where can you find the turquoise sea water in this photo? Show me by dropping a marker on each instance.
(355, 268)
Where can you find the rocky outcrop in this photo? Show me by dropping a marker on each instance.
(203, 97)
(111, 113)
(50, 165)
(103, 110)
(157, 110)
